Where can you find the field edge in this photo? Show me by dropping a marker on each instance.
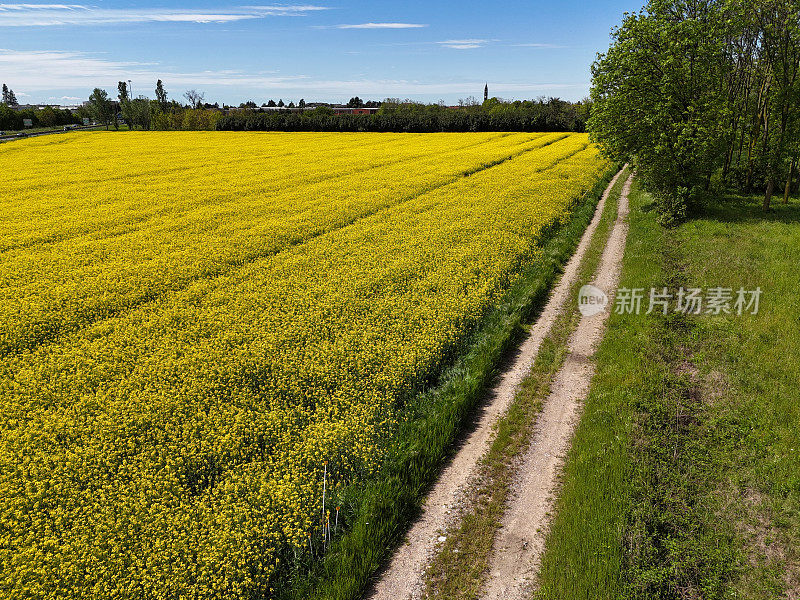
(379, 520)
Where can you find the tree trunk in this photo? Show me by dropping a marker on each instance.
(748, 182)
(741, 145)
(728, 159)
(768, 194)
(788, 189)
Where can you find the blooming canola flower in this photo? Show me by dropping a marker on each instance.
(193, 323)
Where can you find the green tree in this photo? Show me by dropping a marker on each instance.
(125, 103)
(9, 118)
(692, 85)
(141, 112)
(48, 117)
(122, 89)
(780, 34)
(658, 98)
(161, 96)
(101, 108)
(9, 98)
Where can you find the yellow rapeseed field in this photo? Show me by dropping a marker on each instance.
(194, 326)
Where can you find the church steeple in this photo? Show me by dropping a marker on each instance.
(486, 92)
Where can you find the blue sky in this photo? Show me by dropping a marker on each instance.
(316, 50)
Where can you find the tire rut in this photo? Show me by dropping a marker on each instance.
(519, 543)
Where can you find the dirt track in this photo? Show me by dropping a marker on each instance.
(403, 577)
(519, 544)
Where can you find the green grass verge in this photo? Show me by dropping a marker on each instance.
(752, 365)
(458, 570)
(683, 477)
(378, 513)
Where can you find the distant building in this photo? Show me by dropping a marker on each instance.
(344, 110)
(43, 106)
(34, 106)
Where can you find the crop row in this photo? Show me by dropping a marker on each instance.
(176, 449)
(56, 287)
(100, 184)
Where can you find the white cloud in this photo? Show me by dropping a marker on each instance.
(76, 72)
(382, 26)
(48, 70)
(43, 15)
(284, 9)
(463, 44)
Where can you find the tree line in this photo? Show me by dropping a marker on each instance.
(48, 116)
(354, 102)
(698, 91)
(142, 112)
(160, 114)
(543, 114)
(12, 118)
(550, 114)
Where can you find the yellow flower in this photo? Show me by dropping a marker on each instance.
(193, 323)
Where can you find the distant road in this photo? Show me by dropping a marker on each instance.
(16, 136)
